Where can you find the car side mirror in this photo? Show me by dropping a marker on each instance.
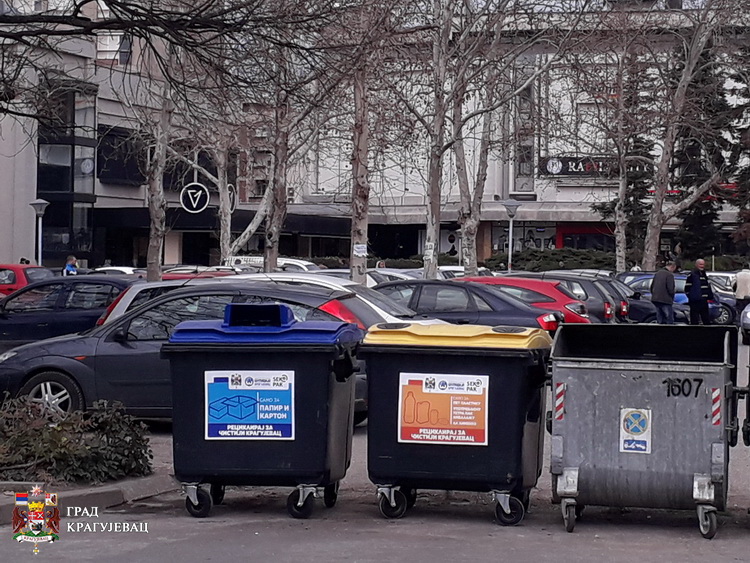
(637, 295)
(120, 334)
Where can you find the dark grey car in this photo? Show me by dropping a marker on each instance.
(121, 361)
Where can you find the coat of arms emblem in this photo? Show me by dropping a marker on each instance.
(36, 517)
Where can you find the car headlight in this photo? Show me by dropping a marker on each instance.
(7, 356)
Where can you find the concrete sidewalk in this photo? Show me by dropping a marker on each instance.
(107, 494)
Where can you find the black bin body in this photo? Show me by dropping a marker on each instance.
(513, 360)
(320, 358)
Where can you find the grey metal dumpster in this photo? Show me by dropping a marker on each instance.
(643, 416)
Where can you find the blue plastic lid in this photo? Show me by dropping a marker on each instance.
(264, 324)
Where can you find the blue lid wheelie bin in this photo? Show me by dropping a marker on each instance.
(260, 399)
(455, 408)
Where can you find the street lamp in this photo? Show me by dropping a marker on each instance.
(39, 206)
(511, 206)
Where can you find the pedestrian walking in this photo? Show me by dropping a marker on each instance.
(71, 266)
(699, 293)
(742, 290)
(662, 293)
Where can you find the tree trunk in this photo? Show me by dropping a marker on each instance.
(361, 185)
(443, 14)
(260, 214)
(277, 212)
(225, 210)
(157, 204)
(469, 229)
(432, 235)
(621, 222)
(694, 49)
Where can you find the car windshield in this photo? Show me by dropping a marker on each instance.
(381, 302)
(39, 274)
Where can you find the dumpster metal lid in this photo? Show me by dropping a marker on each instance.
(263, 324)
(457, 336)
(647, 342)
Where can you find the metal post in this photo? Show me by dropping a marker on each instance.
(511, 206)
(39, 240)
(39, 205)
(510, 245)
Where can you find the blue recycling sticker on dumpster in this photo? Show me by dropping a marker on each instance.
(249, 405)
(635, 430)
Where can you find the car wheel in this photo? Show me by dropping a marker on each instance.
(725, 316)
(54, 391)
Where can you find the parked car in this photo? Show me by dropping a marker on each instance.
(284, 264)
(369, 308)
(640, 310)
(547, 294)
(450, 272)
(372, 278)
(137, 294)
(61, 305)
(15, 276)
(599, 304)
(745, 325)
(722, 310)
(468, 303)
(725, 280)
(121, 361)
(120, 270)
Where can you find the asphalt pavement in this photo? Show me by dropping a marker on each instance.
(253, 525)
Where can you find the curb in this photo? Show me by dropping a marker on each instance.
(102, 497)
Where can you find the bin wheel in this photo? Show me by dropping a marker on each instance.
(516, 513)
(303, 511)
(217, 493)
(579, 511)
(708, 524)
(203, 507)
(411, 496)
(397, 511)
(331, 494)
(569, 517)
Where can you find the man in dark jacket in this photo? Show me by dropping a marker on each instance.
(699, 293)
(662, 294)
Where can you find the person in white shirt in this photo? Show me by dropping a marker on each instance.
(742, 290)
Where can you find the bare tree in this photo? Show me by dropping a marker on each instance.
(692, 39)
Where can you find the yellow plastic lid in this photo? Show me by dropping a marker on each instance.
(458, 336)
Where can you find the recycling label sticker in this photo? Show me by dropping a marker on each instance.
(635, 431)
(249, 405)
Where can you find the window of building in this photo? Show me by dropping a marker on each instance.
(120, 157)
(114, 46)
(54, 172)
(526, 102)
(525, 157)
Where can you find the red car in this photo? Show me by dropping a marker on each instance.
(16, 276)
(548, 294)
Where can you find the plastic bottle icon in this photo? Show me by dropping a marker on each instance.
(433, 416)
(423, 412)
(410, 406)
